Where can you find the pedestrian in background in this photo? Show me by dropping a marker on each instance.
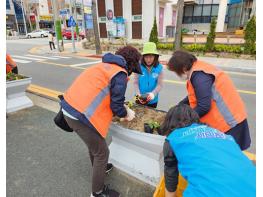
(212, 94)
(51, 40)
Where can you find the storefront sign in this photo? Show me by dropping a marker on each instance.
(45, 17)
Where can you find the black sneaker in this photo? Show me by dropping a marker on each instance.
(109, 168)
(106, 193)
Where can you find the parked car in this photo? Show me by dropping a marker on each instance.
(67, 34)
(37, 34)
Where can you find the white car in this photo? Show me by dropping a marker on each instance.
(37, 34)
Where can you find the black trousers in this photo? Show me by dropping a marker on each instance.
(50, 45)
(98, 151)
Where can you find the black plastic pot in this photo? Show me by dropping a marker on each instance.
(147, 128)
(159, 131)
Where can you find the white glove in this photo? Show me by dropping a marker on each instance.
(150, 96)
(130, 114)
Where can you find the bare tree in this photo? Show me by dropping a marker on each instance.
(95, 27)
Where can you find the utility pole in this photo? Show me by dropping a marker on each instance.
(57, 25)
(95, 27)
(23, 12)
(178, 33)
(72, 30)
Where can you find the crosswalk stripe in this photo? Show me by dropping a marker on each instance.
(84, 64)
(63, 57)
(50, 58)
(29, 58)
(21, 61)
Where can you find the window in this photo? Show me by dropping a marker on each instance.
(8, 5)
(198, 10)
(215, 10)
(188, 10)
(206, 10)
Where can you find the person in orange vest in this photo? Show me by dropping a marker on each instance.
(212, 94)
(90, 103)
(11, 65)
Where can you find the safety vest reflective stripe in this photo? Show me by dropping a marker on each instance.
(96, 102)
(223, 108)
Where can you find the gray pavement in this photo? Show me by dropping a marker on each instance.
(43, 160)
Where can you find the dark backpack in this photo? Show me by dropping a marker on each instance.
(60, 120)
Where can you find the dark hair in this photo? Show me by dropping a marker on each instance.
(181, 61)
(132, 57)
(155, 62)
(177, 117)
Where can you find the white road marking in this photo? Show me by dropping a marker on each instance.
(84, 64)
(29, 58)
(21, 61)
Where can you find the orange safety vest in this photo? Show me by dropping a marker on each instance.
(90, 95)
(10, 64)
(227, 107)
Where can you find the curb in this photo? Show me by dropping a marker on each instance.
(44, 92)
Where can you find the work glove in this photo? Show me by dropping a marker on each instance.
(130, 114)
(150, 96)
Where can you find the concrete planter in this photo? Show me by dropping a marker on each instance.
(16, 98)
(136, 153)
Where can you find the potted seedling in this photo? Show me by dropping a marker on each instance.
(16, 98)
(151, 126)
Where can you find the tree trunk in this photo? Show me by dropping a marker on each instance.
(95, 27)
(180, 11)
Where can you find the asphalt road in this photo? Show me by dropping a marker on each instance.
(59, 72)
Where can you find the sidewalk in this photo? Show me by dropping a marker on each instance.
(235, 65)
(43, 160)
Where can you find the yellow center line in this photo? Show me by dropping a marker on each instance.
(165, 80)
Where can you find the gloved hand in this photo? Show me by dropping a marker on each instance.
(150, 96)
(140, 100)
(130, 114)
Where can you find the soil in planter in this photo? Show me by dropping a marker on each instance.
(142, 115)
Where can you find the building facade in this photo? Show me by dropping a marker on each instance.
(135, 18)
(230, 14)
(11, 23)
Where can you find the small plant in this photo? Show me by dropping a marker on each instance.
(153, 124)
(210, 43)
(130, 104)
(12, 76)
(154, 33)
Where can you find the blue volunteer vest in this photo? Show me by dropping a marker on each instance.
(212, 163)
(149, 80)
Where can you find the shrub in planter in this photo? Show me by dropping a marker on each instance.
(210, 42)
(154, 33)
(12, 76)
(195, 47)
(250, 36)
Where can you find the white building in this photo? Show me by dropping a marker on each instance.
(139, 16)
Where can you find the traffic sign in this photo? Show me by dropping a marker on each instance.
(71, 22)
